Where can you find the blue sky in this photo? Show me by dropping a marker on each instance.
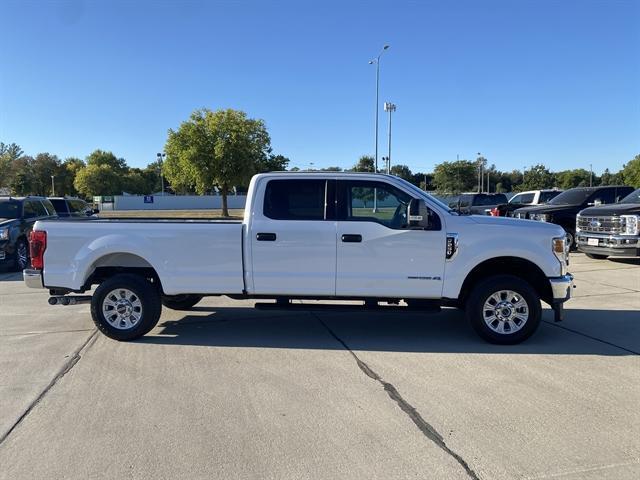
(523, 82)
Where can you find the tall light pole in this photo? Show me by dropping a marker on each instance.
(480, 174)
(376, 62)
(53, 186)
(591, 175)
(389, 107)
(161, 157)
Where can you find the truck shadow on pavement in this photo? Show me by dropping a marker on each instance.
(584, 332)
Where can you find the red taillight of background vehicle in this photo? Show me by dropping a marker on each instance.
(495, 212)
(37, 246)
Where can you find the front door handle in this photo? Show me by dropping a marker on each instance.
(351, 238)
(266, 237)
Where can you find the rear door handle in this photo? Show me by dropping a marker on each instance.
(266, 237)
(351, 238)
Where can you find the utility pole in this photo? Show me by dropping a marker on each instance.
(53, 186)
(591, 175)
(161, 157)
(389, 107)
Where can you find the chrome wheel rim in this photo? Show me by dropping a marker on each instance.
(505, 312)
(22, 255)
(122, 308)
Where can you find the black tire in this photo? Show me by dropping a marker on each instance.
(148, 298)
(494, 285)
(180, 302)
(596, 256)
(21, 260)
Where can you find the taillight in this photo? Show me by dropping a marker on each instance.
(495, 212)
(37, 246)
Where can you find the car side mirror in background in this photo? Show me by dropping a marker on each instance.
(418, 215)
(96, 211)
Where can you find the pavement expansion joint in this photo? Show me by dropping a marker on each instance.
(555, 324)
(68, 365)
(427, 430)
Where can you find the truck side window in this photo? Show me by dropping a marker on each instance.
(464, 201)
(390, 209)
(605, 196)
(295, 199)
(29, 210)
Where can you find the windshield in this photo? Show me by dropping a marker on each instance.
(633, 197)
(423, 194)
(571, 197)
(9, 210)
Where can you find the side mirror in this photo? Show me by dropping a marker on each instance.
(95, 211)
(418, 215)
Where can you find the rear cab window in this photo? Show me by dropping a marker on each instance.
(60, 205)
(303, 199)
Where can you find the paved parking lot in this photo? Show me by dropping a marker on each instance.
(226, 391)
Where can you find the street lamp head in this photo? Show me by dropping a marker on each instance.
(371, 62)
(385, 47)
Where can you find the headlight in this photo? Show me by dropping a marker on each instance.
(541, 217)
(629, 224)
(561, 251)
(4, 233)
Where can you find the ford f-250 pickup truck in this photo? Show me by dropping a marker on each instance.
(310, 236)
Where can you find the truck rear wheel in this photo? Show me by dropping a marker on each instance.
(504, 309)
(126, 307)
(180, 302)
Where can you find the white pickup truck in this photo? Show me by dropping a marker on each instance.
(338, 236)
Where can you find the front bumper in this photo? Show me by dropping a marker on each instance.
(32, 278)
(561, 288)
(613, 245)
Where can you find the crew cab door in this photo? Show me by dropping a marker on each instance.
(378, 255)
(293, 238)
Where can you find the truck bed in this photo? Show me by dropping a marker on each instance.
(189, 255)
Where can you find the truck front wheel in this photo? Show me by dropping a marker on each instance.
(125, 307)
(504, 309)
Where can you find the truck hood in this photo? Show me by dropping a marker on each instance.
(5, 222)
(541, 227)
(547, 208)
(612, 210)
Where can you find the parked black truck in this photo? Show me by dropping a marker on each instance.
(610, 230)
(477, 203)
(562, 210)
(17, 216)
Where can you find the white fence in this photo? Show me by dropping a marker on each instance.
(176, 202)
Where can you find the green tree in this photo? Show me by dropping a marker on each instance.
(98, 180)
(66, 174)
(102, 157)
(402, 171)
(272, 163)
(579, 177)
(366, 163)
(9, 153)
(631, 172)
(221, 149)
(42, 168)
(609, 178)
(537, 177)
(21, 179)
(455, 177)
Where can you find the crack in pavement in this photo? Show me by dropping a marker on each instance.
(427, 430)
(68, 365)
(555, 324)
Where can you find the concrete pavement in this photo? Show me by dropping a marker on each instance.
(226, 391)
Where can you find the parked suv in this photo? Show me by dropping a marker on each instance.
(562, 210)
(477, 203)
(531, 197)
(17, 216)
(610, 230)
(72, 207)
